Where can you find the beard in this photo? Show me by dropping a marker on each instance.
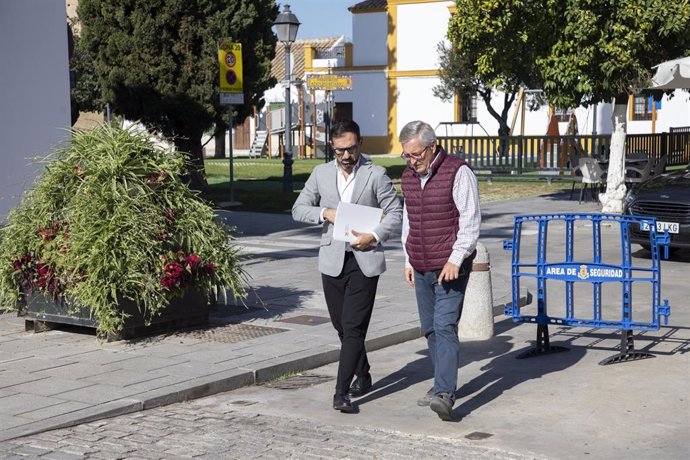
(347, 164)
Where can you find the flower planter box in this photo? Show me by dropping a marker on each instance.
(150, 227)
(42, 314)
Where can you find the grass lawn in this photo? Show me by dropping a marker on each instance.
(258, 183)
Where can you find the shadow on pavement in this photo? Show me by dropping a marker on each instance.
(645, 341)
(251, 259)
(262, 224)
(262, 302)
(563, 196)
(506, 372)
(411, 374)
(421, 370)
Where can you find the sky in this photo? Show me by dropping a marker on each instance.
(321, 18)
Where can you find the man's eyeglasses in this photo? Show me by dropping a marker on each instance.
(351, 150)
(415, 156)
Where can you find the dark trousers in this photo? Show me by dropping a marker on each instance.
(350, 300)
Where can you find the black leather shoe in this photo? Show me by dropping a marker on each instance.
(342, 403)
(360, 386)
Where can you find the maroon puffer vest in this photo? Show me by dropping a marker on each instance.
(432, 213)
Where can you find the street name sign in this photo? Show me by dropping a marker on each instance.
(329, 82)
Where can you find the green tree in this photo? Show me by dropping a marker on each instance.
(493, 47)
(156, 61)
(85, 93)
(579, 52)
(605, 50)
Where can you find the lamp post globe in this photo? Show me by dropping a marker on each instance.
(286, 25)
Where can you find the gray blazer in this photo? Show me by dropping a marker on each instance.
(373, 188)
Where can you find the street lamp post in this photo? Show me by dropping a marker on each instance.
(286, 25)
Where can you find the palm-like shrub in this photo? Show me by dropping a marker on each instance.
(110, 219)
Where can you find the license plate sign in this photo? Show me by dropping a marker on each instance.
(661, 227)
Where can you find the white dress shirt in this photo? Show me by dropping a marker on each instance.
(346, 184)
(345, 187)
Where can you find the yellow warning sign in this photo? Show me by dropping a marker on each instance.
(329, 82)
(230, 60)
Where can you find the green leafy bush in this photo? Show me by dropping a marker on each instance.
(110, 219)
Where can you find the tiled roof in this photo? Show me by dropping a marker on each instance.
(369, 5)
(297, 56)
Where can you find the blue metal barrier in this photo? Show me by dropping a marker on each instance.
(560, 264)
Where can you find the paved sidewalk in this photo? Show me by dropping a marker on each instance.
(62, 378)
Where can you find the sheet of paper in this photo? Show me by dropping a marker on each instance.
(348, 217)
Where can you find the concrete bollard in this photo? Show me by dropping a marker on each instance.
(477, 320)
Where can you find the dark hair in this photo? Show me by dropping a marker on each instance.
(343, 126)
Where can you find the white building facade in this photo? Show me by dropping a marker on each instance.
(394, 69)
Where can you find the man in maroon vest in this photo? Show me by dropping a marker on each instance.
(441, 220)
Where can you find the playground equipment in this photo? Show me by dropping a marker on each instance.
(571, 264)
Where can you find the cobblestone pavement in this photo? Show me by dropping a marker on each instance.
(185, 430)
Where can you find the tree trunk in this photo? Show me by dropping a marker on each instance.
(502, 118)
(219, 135)
(612, 200)
(195, 175)
(504, 133)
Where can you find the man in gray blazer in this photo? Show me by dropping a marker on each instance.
(349, 271)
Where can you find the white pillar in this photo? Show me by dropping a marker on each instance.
(477, 320)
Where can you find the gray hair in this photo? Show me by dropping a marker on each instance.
(417, 130)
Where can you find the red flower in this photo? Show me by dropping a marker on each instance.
(174, 269)
(43, 270)
(35, 274)
(184, 270)
(172, 276)
(192, 260)
(48, 233)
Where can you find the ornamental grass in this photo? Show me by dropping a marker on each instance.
(112, 219)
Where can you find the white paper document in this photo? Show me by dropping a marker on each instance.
(348, 217)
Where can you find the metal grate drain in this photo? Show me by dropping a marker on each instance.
(230, 333)
(298, 381)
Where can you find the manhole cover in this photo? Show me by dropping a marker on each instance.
(230, 333)
(242, 402)
(478, 435)
(298, 381)
(309, 320)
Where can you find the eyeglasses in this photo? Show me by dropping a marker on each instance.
(351, 150)
(415, 156)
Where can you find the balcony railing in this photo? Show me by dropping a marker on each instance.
(333, 53)
(553, 154)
